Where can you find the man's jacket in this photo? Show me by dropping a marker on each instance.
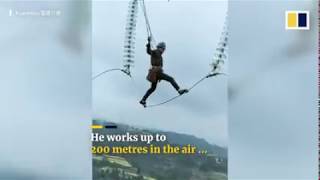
(156, 64)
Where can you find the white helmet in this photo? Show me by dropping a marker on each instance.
(161, 45)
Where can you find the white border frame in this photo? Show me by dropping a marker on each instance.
(298, 28)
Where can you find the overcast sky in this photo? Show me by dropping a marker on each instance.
(46, 92)
(273, 115)
(191, 31)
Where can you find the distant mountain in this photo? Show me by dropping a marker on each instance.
(181, 139)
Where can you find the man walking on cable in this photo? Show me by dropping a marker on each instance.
(156, 72)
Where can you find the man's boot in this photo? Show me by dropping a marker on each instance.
(143, 103)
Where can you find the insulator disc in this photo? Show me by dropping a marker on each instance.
(133, 6)
(220, 49)
(221, 55)
(128, 56)
(129, 50)
(130, 33)
(127, 66)
(129, 47)
(129, 61)
(131, 24)
(130, 37)
(132, 15)
(223, 44)
(130, 28)
(129, 41)
(131, 19)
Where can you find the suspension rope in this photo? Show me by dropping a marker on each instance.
(145, 17)
(148, 26)
(193, 86)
